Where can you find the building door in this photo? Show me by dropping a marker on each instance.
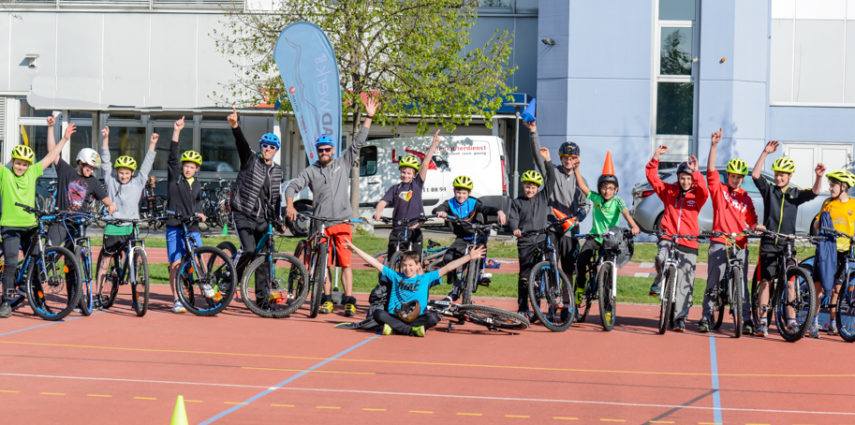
(806, 155)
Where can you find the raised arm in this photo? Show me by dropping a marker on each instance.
(106, 165)
(244, 151)
(652, 171)
(51, 137)
(173, 165)
(580, 182)
(474, 254)
(758, 167)
(148, 161)
(364, 255)
(817, 184)
(714, 141)
(701, 191)
(53, 154)
(534, 143)
(423, 170)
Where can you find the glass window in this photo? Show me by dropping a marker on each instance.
(29, 111)
(494, 3)
(675, 56)
(674, 108)
(35, 136)
(677, 10)
(126, 141)
(368, 161)
(82, 138)
(185, 142)
(219, 153)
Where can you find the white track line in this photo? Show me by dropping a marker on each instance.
(417, 395)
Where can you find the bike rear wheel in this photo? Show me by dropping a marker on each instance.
(319, 275)
(846, 310)
(666, 304)
(492, 317)
(798, 302)
(608, 304)
(736, 302)
(53, 287)
(218, 272)
(550, 296)
(86, 299)
(719, 304)
(470, 281)
(108, 288)
(140, 285)
(276, 295)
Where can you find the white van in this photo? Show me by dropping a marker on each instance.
(480, 157)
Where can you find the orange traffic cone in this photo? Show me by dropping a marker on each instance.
(608, 166)
(560, 216)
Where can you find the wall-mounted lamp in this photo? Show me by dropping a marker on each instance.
(547, 41)
(31, 59)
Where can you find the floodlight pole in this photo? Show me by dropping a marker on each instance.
(517, 106)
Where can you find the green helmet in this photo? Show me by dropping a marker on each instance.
(125, 161)
(842, 176)
(532, 176)
(192, 156)
(463, 182)
(737, 166)
(784, 164)
(409, 161)
(24, 153)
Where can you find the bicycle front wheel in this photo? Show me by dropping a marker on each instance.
(846, 310)
(736, 302)
(493, 318)
(608, 303)
(319, 276)
(549, 296)
(470, 281)
(108, 288)
(139, 284)
(85, 304)
(719, 304)
(53, 288)
(278, 294)
(795, 300)
(213, 268)
(670, 274)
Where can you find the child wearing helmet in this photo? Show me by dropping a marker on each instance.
(841, 211)
(529, 211)
(464, 207)
(780, 205)
(683, 201)
(184, 197)
(733, 212)
(74, 187)
(125, 189)
(18, 227)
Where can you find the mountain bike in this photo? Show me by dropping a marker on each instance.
(128, 266)
(602, 278)
(472, 274)
(549, 288)
(492, 318)
(730, 290)
(668, 284)
(151, 205)
(846, 296)
(82, 248)
(402, 245)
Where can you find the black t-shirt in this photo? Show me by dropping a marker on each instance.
(73, 190)
(406, 199)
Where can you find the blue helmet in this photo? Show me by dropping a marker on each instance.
(324, 140)
(271, 139)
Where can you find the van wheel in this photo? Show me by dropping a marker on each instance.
(812, 230)
(657, 224)
(300, 226)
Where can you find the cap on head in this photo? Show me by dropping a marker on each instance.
(568, 148)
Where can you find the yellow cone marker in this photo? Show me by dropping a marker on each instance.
(179, 415)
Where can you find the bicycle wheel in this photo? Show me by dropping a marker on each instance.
(319, 275)
(666, 305)
(587, 295)
(798, 301)
(85, 303)
(550, 296)
(608, 303)
(108, 289)
(846, 310)
(53, 288)
(217, 270)
(493, 318)
(736, 302)
(140, 284)
(469, 282)
(276, 295)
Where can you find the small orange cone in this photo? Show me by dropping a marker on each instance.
(608, 166)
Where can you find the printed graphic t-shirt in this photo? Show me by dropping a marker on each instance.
(73, 190)
(406, 199)
(406, 289)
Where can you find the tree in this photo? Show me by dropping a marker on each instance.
(414, 54)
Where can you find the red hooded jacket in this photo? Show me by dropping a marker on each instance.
(733, 210)
(681, 209)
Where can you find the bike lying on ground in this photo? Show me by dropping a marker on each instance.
(492, 318)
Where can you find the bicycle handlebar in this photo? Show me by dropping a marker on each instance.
(836, 233)
(548, 228)
(478, 227)
(407, 221)
(330, 220)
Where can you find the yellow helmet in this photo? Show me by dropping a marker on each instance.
(192, 156)
(784, 164)
(463, 182)
(532, 176)
(125, 161)
(410, 161)
(842, 176)
(24, 153)
(737, 166)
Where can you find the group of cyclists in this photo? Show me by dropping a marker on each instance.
(553, 193)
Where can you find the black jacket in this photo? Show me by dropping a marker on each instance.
(181, 197)
(250, 188)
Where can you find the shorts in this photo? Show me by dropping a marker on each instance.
(113, 243)
(770, 259)
(338, 234)
(175, 248)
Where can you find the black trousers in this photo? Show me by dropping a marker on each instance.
(584, 261)
(527, 249)
(428, 320)
(455, 251)
(414, 238)
(567, 248)
(12, 238)
(250, 230)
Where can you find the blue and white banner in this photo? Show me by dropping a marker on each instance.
(307, 63)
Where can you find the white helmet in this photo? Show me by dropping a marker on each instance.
(88, 156)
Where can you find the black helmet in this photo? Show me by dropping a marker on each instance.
(568, 148)
(683, 168)
(607, 178)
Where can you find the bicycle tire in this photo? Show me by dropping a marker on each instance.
(469, 283)
(804, 303)
(225, 283)
(666, 303)
(141, 287)
(86, 301)
(39, 298)
(736, 302)
(296, 287)
(719, 304)
(395, 261)
(108, 289)
(543, 275)
(608, 305)
(846, 310)
(492, 317)
(318, 278)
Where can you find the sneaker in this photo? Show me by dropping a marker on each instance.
(832, 330)
(327, 307)
(813, 332)
(792, 325)
(703, 326)
(349, 309)
(5, 310)
(177, 307)
(747, 328)
(654, 290)
(210, 292)
(418, 331)
(680, 325)
(762, 330)
(486, 278)
(387, 330)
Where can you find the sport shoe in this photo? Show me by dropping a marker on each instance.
(5, 310)
(703, 326)
(418, 331)
(747, 328)
(387, 330)
(177, 307)
(813, 332)
(654, 289)
(327, 307)
(210, 292)
(349, 309)
(762, 330)
(680, 325)
(832, 330)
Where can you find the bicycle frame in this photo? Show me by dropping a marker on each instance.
(29, 256)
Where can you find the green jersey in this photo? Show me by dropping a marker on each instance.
(606, 213)
(22, 190)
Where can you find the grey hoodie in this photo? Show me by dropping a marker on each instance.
(126, 196)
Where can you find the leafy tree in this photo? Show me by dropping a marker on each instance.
(415, 54)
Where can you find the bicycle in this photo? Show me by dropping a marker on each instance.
(795, 299)
(668, 284)
(400, 245)
(151, 205)
(215, 202)
(548, 283)
(43, 274)
(494, 319)
(730, 290)
(285, 281)
(846, 297)
(82, 248)
(47, 203)
(201, 267)
(432, 254)
(473, 272)
(602, 277)
(129, 265)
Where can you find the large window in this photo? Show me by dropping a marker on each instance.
(218, 149)
(164, 143)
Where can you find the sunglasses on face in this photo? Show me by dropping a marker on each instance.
(324, 150)
(268, 146)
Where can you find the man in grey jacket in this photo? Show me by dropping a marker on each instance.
(328, 180)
